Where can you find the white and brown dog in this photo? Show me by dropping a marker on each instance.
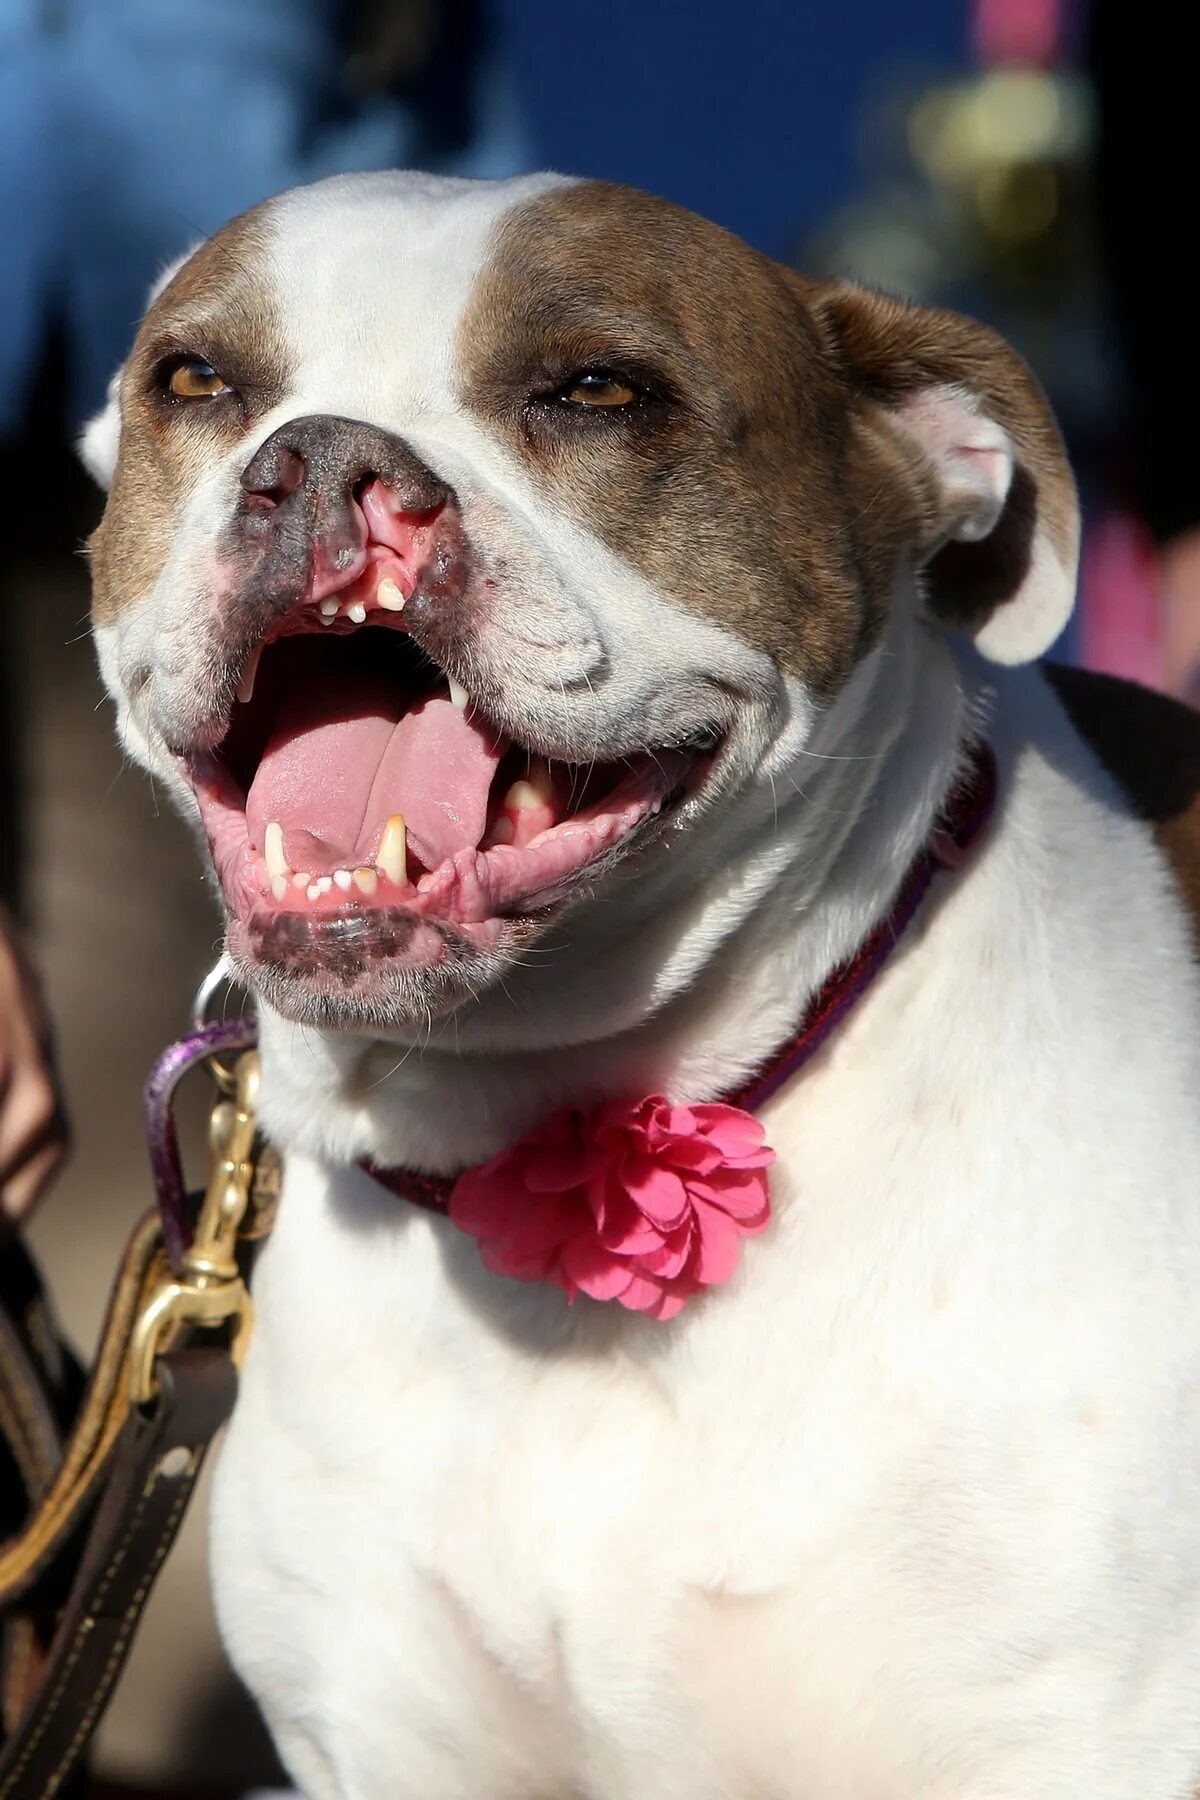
(566, 627)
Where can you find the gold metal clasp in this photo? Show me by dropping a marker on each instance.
(209, 1290)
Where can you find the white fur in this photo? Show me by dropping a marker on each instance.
(908, 1510)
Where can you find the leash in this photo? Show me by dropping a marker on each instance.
(75, 1580)
(104, 1507)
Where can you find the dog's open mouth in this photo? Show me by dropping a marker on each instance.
(356, 778)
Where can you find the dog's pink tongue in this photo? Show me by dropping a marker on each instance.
(340, 763)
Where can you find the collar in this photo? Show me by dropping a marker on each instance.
(643, 1201)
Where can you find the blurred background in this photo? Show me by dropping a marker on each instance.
(1022, 160)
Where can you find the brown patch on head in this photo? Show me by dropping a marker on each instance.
(764, 481)
(724, 490)
(219, 307)
(1151, 746)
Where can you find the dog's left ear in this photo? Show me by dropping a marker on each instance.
(1001, 545)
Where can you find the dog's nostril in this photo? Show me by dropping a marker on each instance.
(269, 481)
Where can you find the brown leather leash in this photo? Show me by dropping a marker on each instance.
(104, 1508)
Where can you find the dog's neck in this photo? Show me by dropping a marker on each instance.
(684, 980)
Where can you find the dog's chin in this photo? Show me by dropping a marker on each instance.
(378, 970)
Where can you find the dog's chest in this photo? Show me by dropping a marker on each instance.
(471, 1542)
(494, 1549)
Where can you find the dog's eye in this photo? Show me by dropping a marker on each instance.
(598, 387)
(191, 378)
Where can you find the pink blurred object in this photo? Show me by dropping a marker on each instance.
(1120, 615)
(1027, 32)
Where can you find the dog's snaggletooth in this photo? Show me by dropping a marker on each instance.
(392, 856)
(273, 856)
(245, 687)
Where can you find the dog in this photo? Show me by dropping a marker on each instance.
(569, 631)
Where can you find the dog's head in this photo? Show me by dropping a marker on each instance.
(465, 539)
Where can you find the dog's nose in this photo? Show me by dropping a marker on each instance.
(322, 458)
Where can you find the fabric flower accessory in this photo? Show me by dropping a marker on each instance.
(637, 1201)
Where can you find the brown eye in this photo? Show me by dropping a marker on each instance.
(598, 388)
(193, 379)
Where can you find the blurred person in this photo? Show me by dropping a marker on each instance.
(130, 128)
(32, 1129)
(1137, 65)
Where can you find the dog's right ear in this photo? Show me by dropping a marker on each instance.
(100, 438)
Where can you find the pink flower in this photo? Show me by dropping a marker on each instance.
(637, 1201)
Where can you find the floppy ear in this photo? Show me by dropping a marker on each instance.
(98, 441)
(100, 438)
(1001, 544)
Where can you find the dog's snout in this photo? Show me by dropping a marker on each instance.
(330, 461)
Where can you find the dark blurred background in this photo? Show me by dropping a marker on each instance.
(1023, 160)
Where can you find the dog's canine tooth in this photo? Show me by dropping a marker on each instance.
(276, 861)
(458, 694)
(392, 856)
(245, 687)
(520, 797)
(366, 880)
(357, 611)
(388, 595)
(344, 879)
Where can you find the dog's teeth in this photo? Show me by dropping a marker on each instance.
(279, 886)
(344, 878)
(245, 687)
(392, 856)
(323, 884)
(276, 861)
(458, 694)
(388, 595)
(357, 611)
(535, 789)
(300, 879)
(366, 880)
(313, 890)
(329, 609)
(520, 797)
